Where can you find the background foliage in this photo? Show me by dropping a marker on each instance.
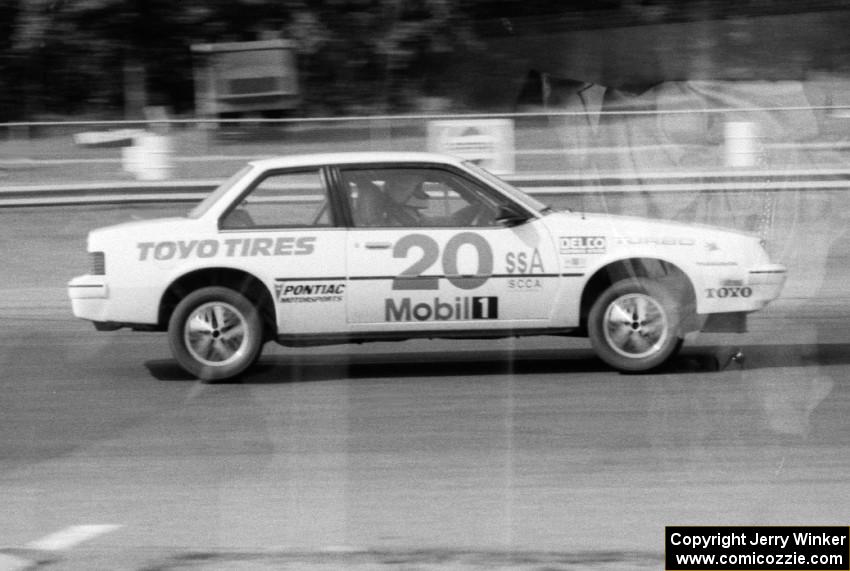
(73, 57)
(86, 58)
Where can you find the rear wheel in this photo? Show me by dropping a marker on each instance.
(215, 333)
(635, 325)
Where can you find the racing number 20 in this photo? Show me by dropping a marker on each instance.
(412, 278)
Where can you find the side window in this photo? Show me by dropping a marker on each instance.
(416, 197)
(443, 201)
(282, 200)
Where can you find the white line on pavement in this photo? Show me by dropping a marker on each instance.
(13, 563)
(71, 536)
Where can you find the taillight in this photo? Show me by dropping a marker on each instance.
(98, 263)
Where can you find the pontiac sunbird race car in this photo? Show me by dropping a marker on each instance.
(354, 247)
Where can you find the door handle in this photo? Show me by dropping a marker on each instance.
(378, 245)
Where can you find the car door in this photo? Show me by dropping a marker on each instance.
(286, 229)
(425, 252)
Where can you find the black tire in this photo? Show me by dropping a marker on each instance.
(215, 333)
(635, 325)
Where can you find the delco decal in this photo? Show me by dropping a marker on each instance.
(524, 262)
(725, 292)
(461, 309)
(230, 248)
(582, 244)
(288, 292)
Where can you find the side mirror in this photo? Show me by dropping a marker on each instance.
(510, 215)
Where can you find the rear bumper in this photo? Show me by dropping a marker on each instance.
(89, 297)
(109, 307)
(88, 287)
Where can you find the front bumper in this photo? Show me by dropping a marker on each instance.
(726, 307)
(767, 282)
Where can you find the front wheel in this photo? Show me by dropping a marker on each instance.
(635, 325)
(215, 333)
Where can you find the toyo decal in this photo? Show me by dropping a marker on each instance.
(230, 247)
(725, 292)
(460, 309)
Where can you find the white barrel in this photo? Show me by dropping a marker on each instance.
(742, 144)
(149, 158)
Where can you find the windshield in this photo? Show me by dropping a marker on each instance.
(507, 188)
(204, 205)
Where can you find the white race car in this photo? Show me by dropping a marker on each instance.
(353, 247)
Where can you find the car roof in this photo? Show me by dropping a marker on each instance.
(347, 158)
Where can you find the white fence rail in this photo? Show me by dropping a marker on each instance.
(551, 141)
(542, 185)
(556, 153)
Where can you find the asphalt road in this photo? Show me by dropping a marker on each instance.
(522, 454)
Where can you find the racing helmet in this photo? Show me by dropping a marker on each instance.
(405, 189)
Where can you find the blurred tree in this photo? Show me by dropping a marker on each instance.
(419, 39)
(141, 44)
(360, 56)
(355, 56)
(10, 11)
(107, 56)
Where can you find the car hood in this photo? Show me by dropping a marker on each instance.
(686, 243)
(617, 224)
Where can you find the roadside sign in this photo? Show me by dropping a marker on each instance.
(487, 142)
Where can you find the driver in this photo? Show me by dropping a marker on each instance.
(407, 199)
